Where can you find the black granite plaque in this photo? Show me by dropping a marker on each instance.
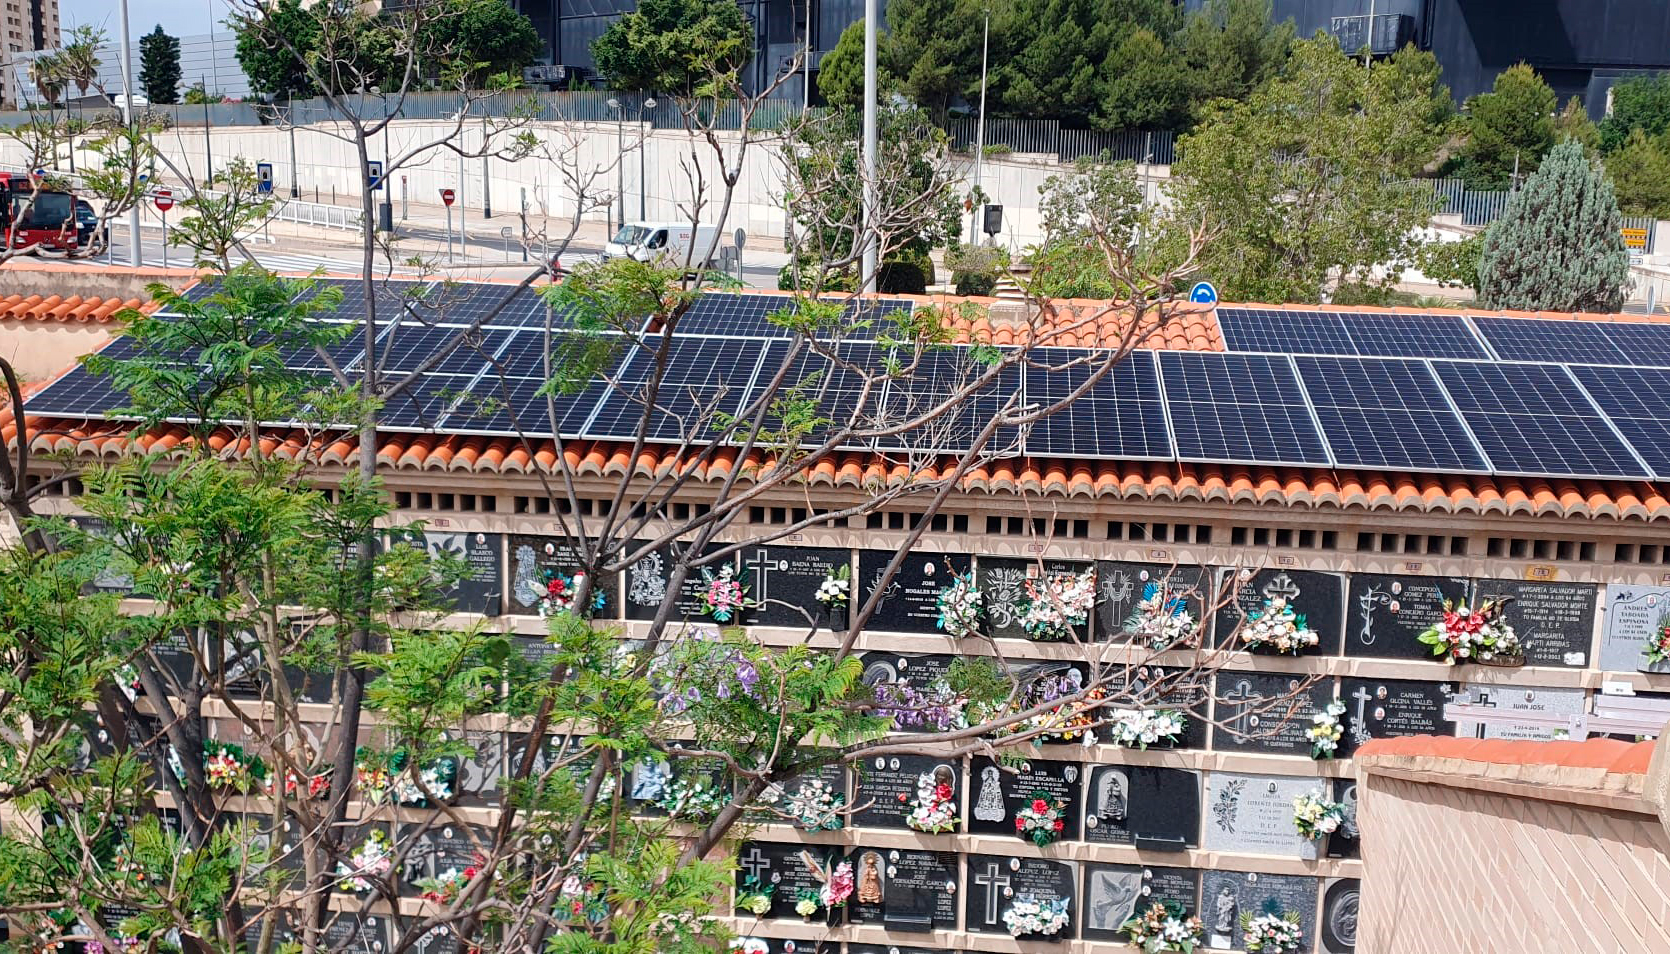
(647, 580)
(1344, 843)
(997, 793)
(531, 556)
(1225, 895)
(781, 867)
(1633, 614)
(884, 673)
(1154, 808)
(1266, 712)
(782, 809)
(1338, 927)
(885, 787)
(1379, 708)
(257, 917)
(1163, 687)
(173, 654)
(1318, 597)
(1121, 588)
(994, 882)
(918, 889)
(108, 580)
(1107, 805)
(789, 945)
(1113, 894)
(480, 561)
(784, 582)
(440, 939)
(1385, 615)
(481, 772)
(910, 600)
(440, 847)
(1555, 621)
(358, 933)
(280, 845)
(1004, 590)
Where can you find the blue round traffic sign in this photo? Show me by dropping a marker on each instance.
(1204, 293)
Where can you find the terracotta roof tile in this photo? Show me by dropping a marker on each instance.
(57, 308)
(1610, 755)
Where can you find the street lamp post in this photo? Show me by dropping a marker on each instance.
(869, 234)
(127, 118)
(643, 176)
(620, 156)
(295, 190)
(979, 136)
(385, 208)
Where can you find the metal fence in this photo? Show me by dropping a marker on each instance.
(1049, 137)
(1480, 207)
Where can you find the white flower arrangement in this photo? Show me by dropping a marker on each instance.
(1473, 635)
(934, 810)
(807, 903)
(754, 897)
(1144, 727)
(836, 588)
(1325, 730)
(1315, 816)
(1055, 607)
(1272, 933)
(1161, 622)
(437, 778)
(1028, 915)
(374, 858)
(1164, 927)
(961, 606)
(749, 945)
(685, 799)
(1278, 627)
(815, 806)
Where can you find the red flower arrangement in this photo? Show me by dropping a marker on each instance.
(1042, 821)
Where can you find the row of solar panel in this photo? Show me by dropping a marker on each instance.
(1484, 337)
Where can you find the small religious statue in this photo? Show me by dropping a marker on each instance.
(1223, 918)
(988, 805)
(869, 883)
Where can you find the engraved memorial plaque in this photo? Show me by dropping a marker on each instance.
(1318, 597)
(998, 793)
(910, 600)
(1510, 699)
(1266, 712)
(885, 786)
(1633, 614)
(1225, 895)
(1004, 590)
(1385, 615)
(1340, 899)
(918, 889)
(1122, 587)
(1253, 814)
(1113, 894)
(1555, 621)
(1381, 708)
(996, 881)
(784, 580)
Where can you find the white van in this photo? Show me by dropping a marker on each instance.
(672, 242)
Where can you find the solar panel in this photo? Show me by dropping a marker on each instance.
(80, 393)
(1539, 339)
(456, 303)
(876, 312)
(703, 378)
(1282, 331)
(836, 388)
(1385, 413)
(203, 289)
(405, 347)
(1239, 408)
(1637, 400)
(391, 298)
(730, 313)
(938, 376)
(423, 405)
(1413, 336)
(1122, 415)
(502, 406)
(1642, 344)
(1533, 419)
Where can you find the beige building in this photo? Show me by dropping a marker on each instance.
(25, 26)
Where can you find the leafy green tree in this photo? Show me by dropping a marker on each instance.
(1452, 264)
(933, 48)
(1144, 85)
(159, 66)
(1232, 47)
(679, 47)
(1511, 127)
(482, 37)
(1574, 123)
(841, 73)
(1053, 50)
(79, 58)
(277, 69)
(1640, 173)
(1306, 182)
(1558, 245)
(1640, 102)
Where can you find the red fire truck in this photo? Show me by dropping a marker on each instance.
(40, 220)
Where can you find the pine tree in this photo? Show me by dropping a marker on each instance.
(1558, 246)
(159, 66)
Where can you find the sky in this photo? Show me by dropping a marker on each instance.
(177, 17)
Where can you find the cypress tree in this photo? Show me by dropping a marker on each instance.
(159, 66)
(1558, 245)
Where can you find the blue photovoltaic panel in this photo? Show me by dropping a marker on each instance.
(408, 346)
(392, 297)
(423, 404)
(1637, 400)
(523, 356)
(79, 393)
(1239, 408)
(1122, 415)
(1539, 339)
(704, 378)
(467, 304)
(939, 375)
(1281, 331)
(876, 314)
(1642, 344)
(1412, 336)
(1532, 419)
(731, 313)
(1383, 413)
(201, 290)
(837, 386)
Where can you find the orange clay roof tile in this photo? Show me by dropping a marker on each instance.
(57, 308)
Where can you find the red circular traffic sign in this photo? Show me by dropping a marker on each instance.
(164, 200)
(447, 195)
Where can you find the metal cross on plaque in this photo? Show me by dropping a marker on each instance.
(993, 883)
(757, 864)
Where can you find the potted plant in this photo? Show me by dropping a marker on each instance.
(1029, 917)
(961, 606)
(1041, 821)
(1477, 635)
(1164, 927)
(1277, 627)
(834, 596)
(1059, 606)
